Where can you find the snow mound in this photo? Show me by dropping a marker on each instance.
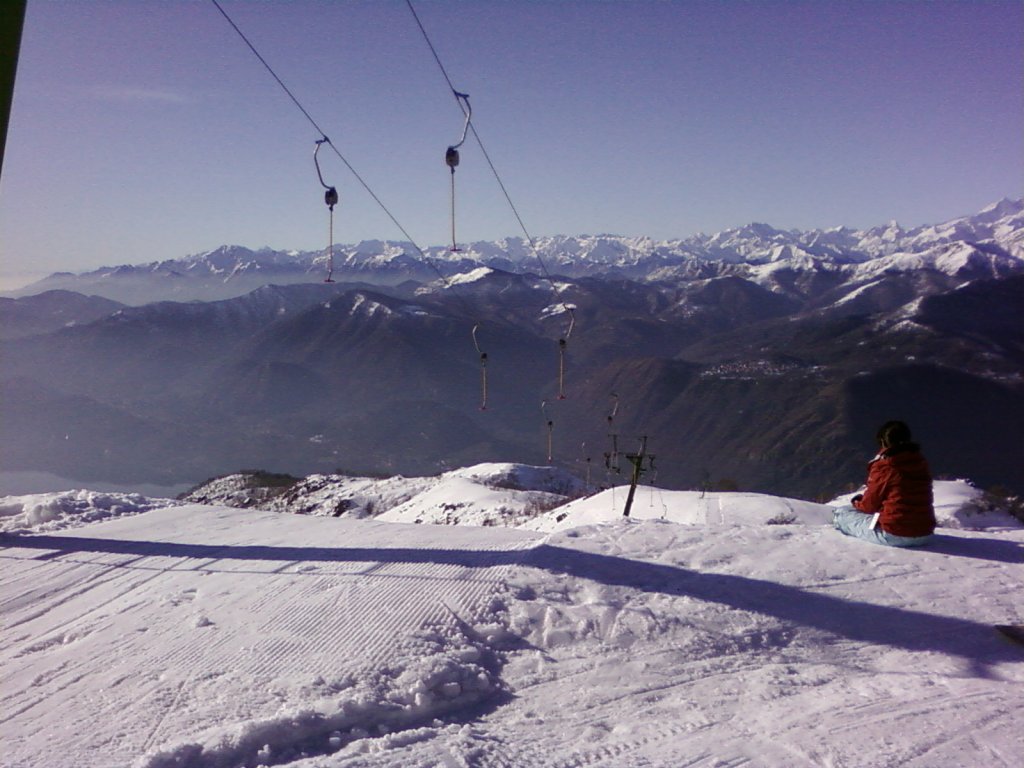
(461, 501)
(958, 504)
(522, 477)
(319, 495)
(472, 276)
(687, 507)
(43, 512)
(343, 496)
(488, 494)
(242, 489)
(484, 494)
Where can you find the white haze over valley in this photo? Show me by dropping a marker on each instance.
(538, 628)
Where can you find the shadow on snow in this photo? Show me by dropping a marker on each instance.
(867, 623)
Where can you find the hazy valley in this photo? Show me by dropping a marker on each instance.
(756, 358)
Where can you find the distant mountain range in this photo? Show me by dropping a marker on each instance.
(753, 358)
(992, 239)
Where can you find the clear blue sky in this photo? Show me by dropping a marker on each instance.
(146, 130)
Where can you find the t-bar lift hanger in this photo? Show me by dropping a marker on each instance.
(331, 199)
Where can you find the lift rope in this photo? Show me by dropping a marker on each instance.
(325, 140)
(551, 428)
(331, 199)
(423, 256)
(586, 458)
(483, 370)
(451, 156)
(562, 344)
(611, 458)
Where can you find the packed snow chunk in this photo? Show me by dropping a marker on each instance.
(432, 675)
(268, 742)
(42, 512)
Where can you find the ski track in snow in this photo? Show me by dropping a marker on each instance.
(204, 636)
(296, 627)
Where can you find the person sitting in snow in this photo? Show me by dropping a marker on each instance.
(895, 508)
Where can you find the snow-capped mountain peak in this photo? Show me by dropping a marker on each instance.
(233, 270)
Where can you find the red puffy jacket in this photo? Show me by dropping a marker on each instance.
(900, 488)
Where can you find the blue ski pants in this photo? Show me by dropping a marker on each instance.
(855, 523)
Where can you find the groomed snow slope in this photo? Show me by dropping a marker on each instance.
(209, 636)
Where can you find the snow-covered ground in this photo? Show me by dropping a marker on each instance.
(714, 630)
(505, 494)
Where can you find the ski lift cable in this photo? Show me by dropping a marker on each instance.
(569, 309)
(463, 103)
(269, 68)
(440, 65)
(325, 139)
(463, 100)
(452, 160)
(327, 196)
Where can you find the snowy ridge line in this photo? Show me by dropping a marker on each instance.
(958, 505)
(996, 227)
